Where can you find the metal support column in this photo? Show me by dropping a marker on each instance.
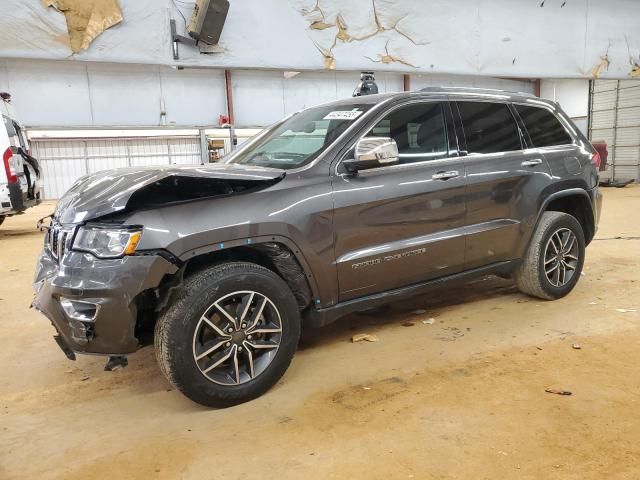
(615, 132)
(204, 147)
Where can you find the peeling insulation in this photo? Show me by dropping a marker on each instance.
(86, 19)
(387, 58)
(357, 21)
(603, 65)
(320, 25)
(500, 38)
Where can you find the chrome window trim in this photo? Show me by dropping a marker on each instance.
(495, 154)
(386, 168)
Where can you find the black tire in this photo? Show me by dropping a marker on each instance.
(531, 277)
(2, 217)
(176, 327)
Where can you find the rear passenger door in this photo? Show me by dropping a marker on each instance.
(504, 181)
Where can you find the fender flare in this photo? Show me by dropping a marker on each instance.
(253, 241)
(563, 193)
(569, 192)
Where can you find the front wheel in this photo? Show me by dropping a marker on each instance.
(229, 335)
(553, 262)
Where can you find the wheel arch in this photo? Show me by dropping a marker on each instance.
(573, 201)
(278, 254)
(577, 203)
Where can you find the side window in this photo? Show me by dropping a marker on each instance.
(418, 129)
(544, 128)
(489, 127)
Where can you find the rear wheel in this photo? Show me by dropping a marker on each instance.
(553, 262)
(2, 217)
(229, 335)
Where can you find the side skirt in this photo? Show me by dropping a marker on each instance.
(316, 318)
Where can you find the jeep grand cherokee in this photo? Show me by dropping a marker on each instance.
(335, 209)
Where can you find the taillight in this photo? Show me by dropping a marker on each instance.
(595, 159)
(8, 166)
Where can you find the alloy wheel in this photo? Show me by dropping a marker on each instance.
(237, 338)
(561, 256)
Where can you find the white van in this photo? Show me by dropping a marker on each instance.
(20, 172)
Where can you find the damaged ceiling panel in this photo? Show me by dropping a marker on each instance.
(527, 38)
(86, 19)
(33, 30)
(489, 37)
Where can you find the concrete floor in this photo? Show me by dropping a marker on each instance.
(461, 398)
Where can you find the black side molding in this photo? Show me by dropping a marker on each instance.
(316, 318)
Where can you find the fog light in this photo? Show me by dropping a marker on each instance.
(79, 310)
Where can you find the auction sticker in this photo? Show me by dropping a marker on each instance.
(343, 115)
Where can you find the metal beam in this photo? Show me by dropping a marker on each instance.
(229, 90)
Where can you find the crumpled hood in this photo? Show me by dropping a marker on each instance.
(109, 191)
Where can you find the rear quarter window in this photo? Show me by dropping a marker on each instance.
(544, 129)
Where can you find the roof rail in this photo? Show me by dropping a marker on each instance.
(479, 91)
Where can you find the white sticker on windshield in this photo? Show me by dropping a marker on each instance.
(343, 115)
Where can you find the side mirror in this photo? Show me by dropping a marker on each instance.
(372, 152)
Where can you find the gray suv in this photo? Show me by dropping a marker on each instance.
(335, 209)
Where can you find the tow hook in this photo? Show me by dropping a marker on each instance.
(115, 362)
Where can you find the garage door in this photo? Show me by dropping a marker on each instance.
(615, 118)
(64, 161)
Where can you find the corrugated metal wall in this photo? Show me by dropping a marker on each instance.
(615, 118)
(63, 161)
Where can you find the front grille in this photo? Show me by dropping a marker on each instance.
(58, 240)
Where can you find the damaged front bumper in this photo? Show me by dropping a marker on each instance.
(92, 302)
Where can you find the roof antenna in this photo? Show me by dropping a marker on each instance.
(367, 85)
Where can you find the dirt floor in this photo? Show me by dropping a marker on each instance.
(463, 397)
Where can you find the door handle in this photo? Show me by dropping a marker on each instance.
(531, 163)
(445, 175)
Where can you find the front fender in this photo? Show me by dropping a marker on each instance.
(297, 212)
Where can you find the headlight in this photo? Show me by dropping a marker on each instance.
(107, 242)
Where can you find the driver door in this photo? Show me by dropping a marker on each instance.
(402, 224)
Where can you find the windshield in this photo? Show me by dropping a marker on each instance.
(301, 138)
